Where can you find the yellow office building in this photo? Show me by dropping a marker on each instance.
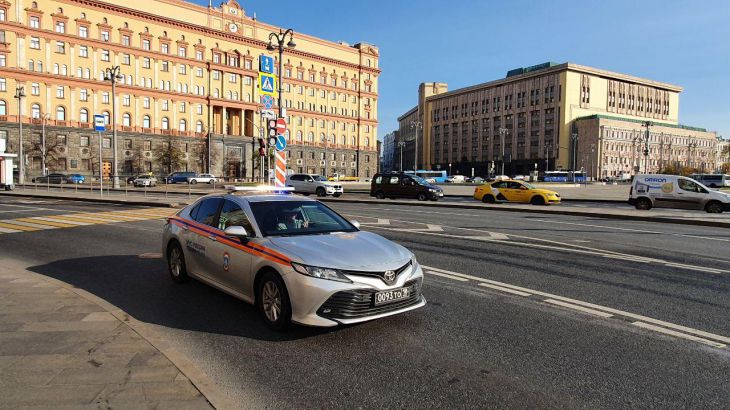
(187, 94)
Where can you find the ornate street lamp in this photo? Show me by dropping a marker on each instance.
(20, 94)
(112, 74)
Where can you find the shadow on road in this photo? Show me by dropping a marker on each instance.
(143, 289)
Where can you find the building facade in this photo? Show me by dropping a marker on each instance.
(188, 83)
(387, 163)
(529, 121)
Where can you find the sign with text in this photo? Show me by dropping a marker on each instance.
(99, 123)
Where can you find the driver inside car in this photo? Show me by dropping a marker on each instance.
(292, 219)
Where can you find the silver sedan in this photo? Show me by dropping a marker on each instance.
(295, 258)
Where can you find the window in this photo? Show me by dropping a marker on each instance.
(34, 22)
(60, 114)
(233, 78)
(183, 126)
(145, 44)
(84, 117)
(106, 143)
(127, 144)
(199, 127)
(105, 98)
(126, 60)
(104, 35)
(83, 51)
(164, 48)
(126, 120)
(60, 91)
(232, 215)
(199, 72)
(107, 117)
(182, 106)
(125, 40)
(35, 111)
(146, 121)
(216, 75)
(148, 145)
(165, 105)
(3, 107)
(146, 102)
(126, 100)
(198, 55)
(83, 31)
(199, 109)
(60, 27)
(146, 62)
(2, 15)
(84, 141)
(182, 52)
(165, 123)
(35, 89)
(105, 55)
(3, 60)
(35, 43)
(165, 66)
(3, 84)
(206, 212)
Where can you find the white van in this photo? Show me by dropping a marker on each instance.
(673, 191)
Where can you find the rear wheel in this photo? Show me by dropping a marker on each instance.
(176, 263)
(714, 207)
(210, 182)
(422, 196)
(537, 200)
(488, 199)
(380, 195)
(643, 204)
(273, 302)
(193, 181)
(321, 192)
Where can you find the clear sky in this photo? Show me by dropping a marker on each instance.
(686, 43)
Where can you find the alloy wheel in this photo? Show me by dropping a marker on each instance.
(271, 301)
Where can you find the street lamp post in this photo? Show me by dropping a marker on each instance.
(547, 157)
(593, 149)
(502, 133)
(574, 139)
(113, 74)
(46, 116)
(692, 154)
(416, 125)
(276, 42)
(20, 94)
(401, 144)
(647, 124)
(325, 139)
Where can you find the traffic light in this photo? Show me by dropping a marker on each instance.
(646, 152)
(262, 152)
(261, 142)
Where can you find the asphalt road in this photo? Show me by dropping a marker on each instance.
(524, 310)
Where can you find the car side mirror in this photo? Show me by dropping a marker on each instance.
(355, 223)
(237, 231)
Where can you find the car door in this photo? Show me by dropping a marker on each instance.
(392, 188)
(511, 191)
(203, 235)
(521, 192)
(231, 266)
(691, 195)
(409, 187)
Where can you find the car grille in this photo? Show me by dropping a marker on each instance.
(380, 275)
(352, 304)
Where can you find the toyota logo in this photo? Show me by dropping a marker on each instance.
(389, 275)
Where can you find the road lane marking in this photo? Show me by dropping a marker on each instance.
(54, 221)
(508, 290)
(605, 309)
(380, 222)
(443, 275)
(7, 224)
(33, 225)
(75, 218)
(8, 230)
(578, 308)
(678, 334)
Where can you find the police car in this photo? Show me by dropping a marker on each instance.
(293, 257)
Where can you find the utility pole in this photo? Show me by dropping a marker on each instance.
(401, 144)
(20, 94)
(43, 143)
(593, 149)
(502, 133)
(279, 39)
(113, 74)
(416, 125)
(647, 124)
(547, 157)
(574, 139)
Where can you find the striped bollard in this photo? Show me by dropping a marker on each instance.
(280, 168)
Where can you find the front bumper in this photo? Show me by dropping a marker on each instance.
(326, 303)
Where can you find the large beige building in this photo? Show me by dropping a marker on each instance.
(189, 77)
(556, 116)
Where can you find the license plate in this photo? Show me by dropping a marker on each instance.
(390, 296)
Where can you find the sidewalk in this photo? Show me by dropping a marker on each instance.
(59, 349)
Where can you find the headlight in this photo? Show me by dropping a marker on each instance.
(414, 263)
(321, 273)
(433, 190)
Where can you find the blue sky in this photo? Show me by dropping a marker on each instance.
(467, 42)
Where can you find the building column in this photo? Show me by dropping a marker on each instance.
(224, 121)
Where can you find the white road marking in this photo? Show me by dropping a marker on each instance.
(63, 221)
(678, 334)
(29, 224)
(27, 207)
(443, 275)
(429, 228)
(663, 324)
(578, 308)
(508, 290)
(8, 230)
(380, 222)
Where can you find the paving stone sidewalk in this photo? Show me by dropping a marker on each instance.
(60, 350)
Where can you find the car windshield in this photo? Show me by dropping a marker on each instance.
(420, 180)
(319, 178)
(287, 218)
(529, 186)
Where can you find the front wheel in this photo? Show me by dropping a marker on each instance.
(380, 195)
(714, 207)
(643, 204)
(273, 302)
(537, 200)
(210, 182)
(488, 199)
(194, 181)
(321, 192)
(176, 263)
(422, 196)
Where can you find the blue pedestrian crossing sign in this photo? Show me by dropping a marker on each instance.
(99, 123)
(267, 84)
(266, 64)
(280, 142)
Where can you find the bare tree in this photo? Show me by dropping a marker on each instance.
(168, 155)
(54, 149)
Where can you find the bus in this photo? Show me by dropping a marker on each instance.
(438, 177)
(565, 176)
(712, 180)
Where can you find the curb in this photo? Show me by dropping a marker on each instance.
(542, 210)
(100, 200)
(607, 201)
(197, 377)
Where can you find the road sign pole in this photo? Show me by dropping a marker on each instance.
(101, 173)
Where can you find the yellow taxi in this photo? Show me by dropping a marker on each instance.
(515, 191)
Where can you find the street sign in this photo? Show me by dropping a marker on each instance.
(267, 101)
(267, 84)
(268, 114)
(281, 125)
(99, 123)
(280, 143)
(267, 64)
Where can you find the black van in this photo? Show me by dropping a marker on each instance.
(400, 185)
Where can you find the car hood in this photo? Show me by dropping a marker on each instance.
(721, 196)
(348, 250)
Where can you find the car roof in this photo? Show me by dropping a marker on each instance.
(244, 196)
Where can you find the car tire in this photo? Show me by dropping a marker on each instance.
(321, 192)
(337, 195)
(210, 182)
(643, 204)
(713, 207)
(380, 195)
(488, 199)
(193, 181)
(422, 196)
(537, 200)
(272, 301)
(713, 186)
(176, 263)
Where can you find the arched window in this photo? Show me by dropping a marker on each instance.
(343, 140)
(39, 65)
(64, 69)
(87, 73)
(35, 111)
(353, 141)
(183, 126)
(146, 121)
(333, 139)
(79, 72)
(84, 115)
(199, 127)
(299, 136)
(367, 141)
(3, 107)
(107, 117)
(55, 69)
(310, 137)
(31, 66)
(60, 113)
(321, 137)
(126, 119)
(165, 123)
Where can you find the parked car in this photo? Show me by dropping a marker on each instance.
(340, 178)
(202, 178)
(478, 180)
(176, 177)
(674, 191)
(75, 179)
(51, 179)
(519, 178)
(145, 180)
(515, 191)
(294, 258)
(456, 179)
(313, 184)
(400, 185)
